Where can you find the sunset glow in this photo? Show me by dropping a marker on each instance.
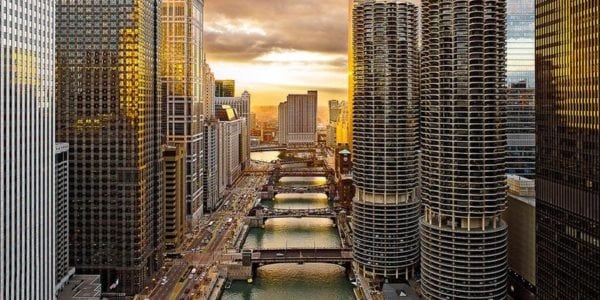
(275, 49)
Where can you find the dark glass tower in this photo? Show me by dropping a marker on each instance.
(108, 110)
(520, 80)
(568, 151)
(463, 138)
(386, 126)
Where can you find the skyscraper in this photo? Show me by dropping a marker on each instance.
(299, 124)
(181, 78)
(463, 140)
(282, 121)
(385, 166)
(335, 108)
(109, 111)
(208, 92)
(242, 105)
(175, 189)
(520, 81)
(63, 270)
(568, 155)
(224, 88)
(27, 198)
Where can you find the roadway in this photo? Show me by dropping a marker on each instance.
(206, 244)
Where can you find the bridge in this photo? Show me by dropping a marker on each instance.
(302, 255)
(297, 213)
(267, 148)
(259, 215)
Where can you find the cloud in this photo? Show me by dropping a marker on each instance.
(241, 30)
(276, 47)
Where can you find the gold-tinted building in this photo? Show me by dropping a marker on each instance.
(568, 149)
(175, 189)
(108, 110)
(181, 79)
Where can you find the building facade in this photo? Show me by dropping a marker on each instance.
(175, 190)
(242, 106)
(520, 81)
(385, 209)
(299, 124)
(335, 108)
(211, 166)
(63, 269)
(282, 121)
(181, 78)
(568, 160)
(463, 144)
(230, 146)
(108, 110)
(520, 218)
(224, 88)
(208, 92)
(27, 199)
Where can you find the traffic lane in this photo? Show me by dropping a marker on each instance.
(173, 276)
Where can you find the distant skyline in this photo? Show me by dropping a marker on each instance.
(273, 49)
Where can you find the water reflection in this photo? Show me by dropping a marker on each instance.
(265, 156)
(302, 181)
(294, 233)
(294, 282)
(297, 201)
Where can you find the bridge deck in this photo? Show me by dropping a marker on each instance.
(306, 255)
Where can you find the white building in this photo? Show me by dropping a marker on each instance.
(27, 198)
(230, 146)
(242, 106)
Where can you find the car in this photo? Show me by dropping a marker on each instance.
(279, 254)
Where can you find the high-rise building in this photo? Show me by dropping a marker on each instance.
(175, 189)
(385, 209)
(27, 198)
(241, 105)
(63, 269)
(344, 125)
(282, 123)
(335, 109)
(568, 142)
(109, 111)
(300, 121)
(350, 106)
(224, 88)
(181, 78)
(208, 92)
(230, 131)
(520, 218)
(520, 80)
(463, 144)
(211, 166)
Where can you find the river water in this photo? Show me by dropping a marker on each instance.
(292, 281)
(265, 156)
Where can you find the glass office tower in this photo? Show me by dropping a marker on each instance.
(520, 81)
(568, 151)
(463, 139)
(27, 183)
(386, 126)
(109, 111)
(181, 79)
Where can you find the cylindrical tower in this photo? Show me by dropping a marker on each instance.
(385, 166)
(463, 239)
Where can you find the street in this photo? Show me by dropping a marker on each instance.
(203, 250)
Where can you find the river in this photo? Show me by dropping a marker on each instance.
(293, 281)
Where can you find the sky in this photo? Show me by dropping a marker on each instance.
(277, 47)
